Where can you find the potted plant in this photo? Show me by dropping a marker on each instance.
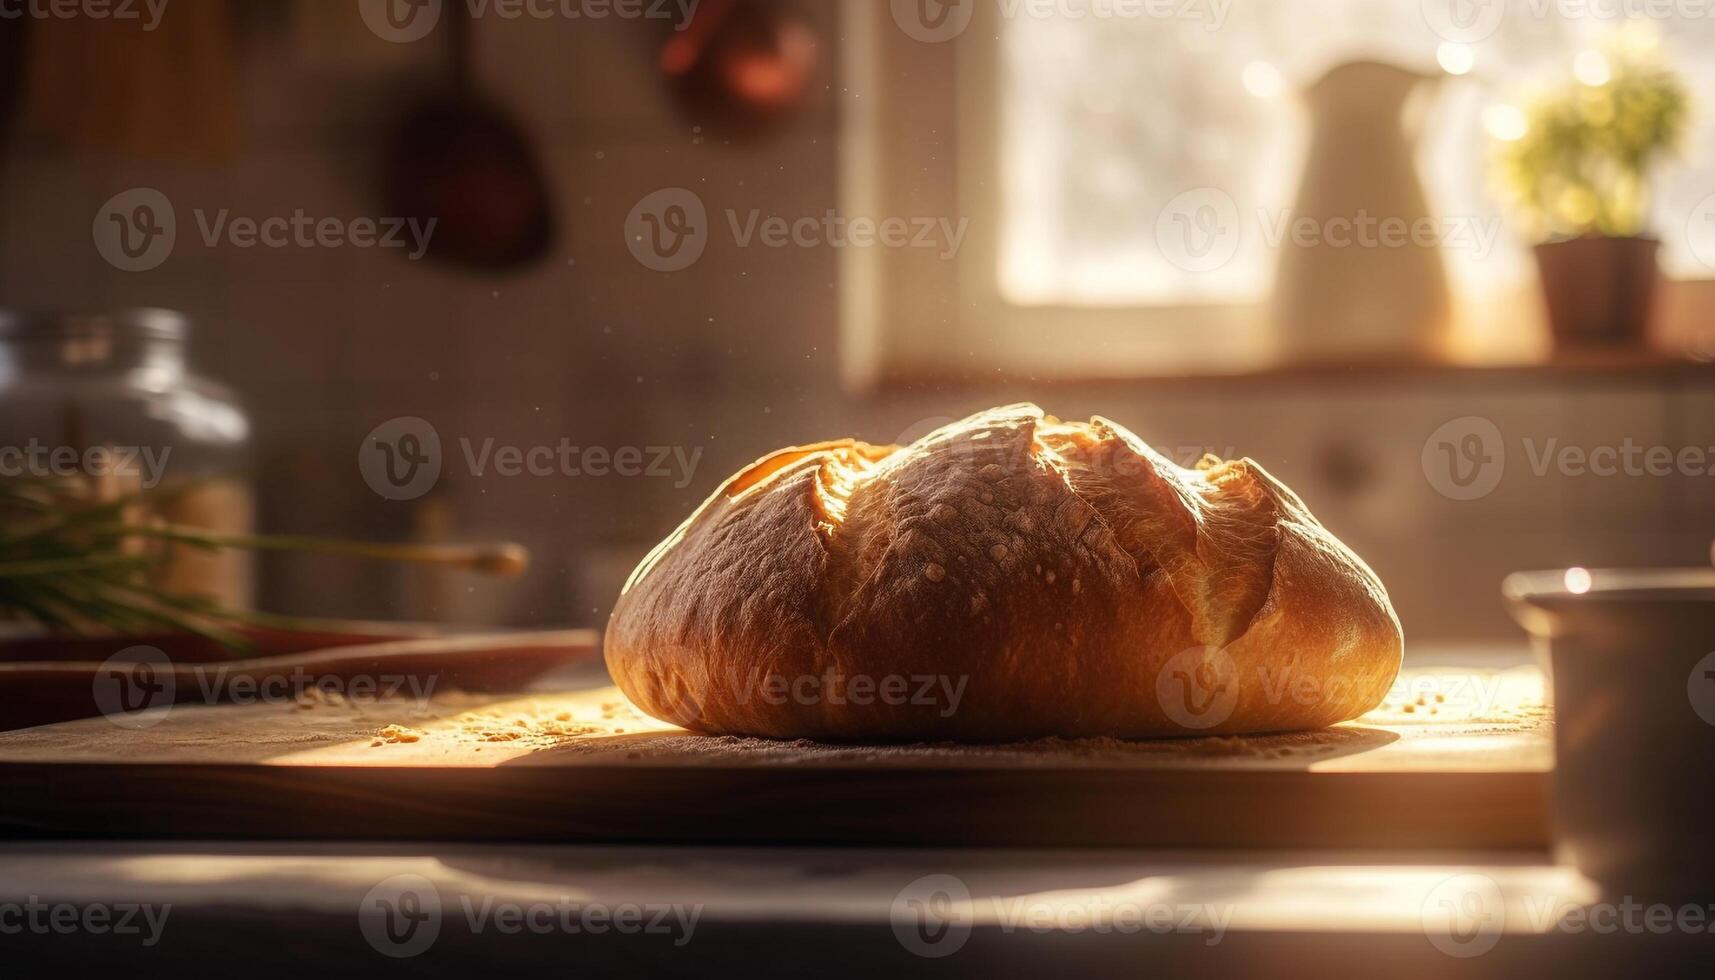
(1578, 175)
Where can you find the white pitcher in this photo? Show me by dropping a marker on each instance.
(1360, 270)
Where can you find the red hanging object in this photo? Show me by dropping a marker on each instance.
(749, 63)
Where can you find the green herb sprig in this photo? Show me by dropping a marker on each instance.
(79, 566)
(1581, 165)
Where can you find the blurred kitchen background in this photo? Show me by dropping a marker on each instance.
(1091, 211)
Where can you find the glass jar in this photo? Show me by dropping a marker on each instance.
(108, 400)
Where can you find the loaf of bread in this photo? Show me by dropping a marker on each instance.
(1008, 576)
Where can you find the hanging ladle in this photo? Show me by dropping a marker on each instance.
(462, 161)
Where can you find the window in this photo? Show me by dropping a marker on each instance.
(1072, 137)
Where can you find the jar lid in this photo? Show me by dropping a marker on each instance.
(143, 323)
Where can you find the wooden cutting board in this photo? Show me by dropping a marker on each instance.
(1455, 758)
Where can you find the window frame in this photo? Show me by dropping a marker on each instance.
(907, 314)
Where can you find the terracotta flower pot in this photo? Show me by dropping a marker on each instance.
(1599, 290)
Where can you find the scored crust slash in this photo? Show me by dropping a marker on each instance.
(1064, 578)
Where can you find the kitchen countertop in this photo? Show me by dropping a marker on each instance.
(265, 910)
(290, 909)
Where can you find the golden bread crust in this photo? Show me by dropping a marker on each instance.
(1007, 576)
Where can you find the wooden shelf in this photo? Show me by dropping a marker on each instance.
(1597, 365)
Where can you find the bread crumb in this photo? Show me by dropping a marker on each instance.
(396, 734)
(998, 552)
(934, 572)
(317, 697)
(544, 731)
